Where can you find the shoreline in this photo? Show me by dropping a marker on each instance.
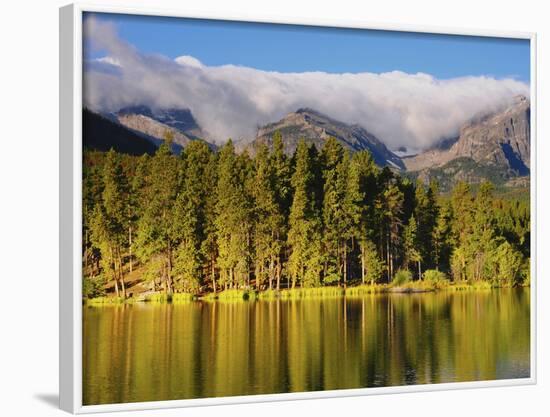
(239, 295)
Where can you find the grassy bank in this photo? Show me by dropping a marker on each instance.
(230, 295)
(174, 298)
(99, 301)
(235, 295)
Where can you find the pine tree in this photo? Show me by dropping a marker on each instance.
(426, 216)
(233, 217)
(92, 189)
(283, 195)
(506, 265)
(209, 245)
(226, 202)
(411, 246)
(482, 239)
(442, 237)
(360, 205)
(462, 207)
(372, 266)
(207, 221)
(157, 236)
(268, 220)
(190, 217)
(110, 220)
(304, 226)
(334, 219)
(137, 201)
(393, 200)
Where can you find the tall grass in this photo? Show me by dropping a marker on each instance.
(365, 289)
(269, 295)
(231, 295)
(158, 297)
(315, 292)
(469, 286)
(182, 297)
(98, 301)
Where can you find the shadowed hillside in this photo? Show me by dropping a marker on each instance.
(103, 134)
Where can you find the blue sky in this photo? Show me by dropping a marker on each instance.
(374, 78)
(287, 48)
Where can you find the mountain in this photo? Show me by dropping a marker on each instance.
(315, 128)
(180, 119)
(499, 142)
(155, 124)
(102, 134)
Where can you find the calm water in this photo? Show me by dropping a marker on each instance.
(148, 352)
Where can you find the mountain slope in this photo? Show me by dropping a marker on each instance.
(153, 128)
(156, 124)
(315, 128)
(102, 134)
(180, 119)
(501, 140)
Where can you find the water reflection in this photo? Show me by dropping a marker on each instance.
(149, 352)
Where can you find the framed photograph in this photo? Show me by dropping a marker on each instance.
(262, 210)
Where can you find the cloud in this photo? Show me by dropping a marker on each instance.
(190, 61)
(109, 60)
(412, 110)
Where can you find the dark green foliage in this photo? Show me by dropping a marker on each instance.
(158, 235)
(434, 276)
(208, 221)
(402, 277)
(190, 217)
(304, 235)
(93, 287)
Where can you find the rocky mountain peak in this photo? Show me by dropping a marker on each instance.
(500, 140)
(316, 128)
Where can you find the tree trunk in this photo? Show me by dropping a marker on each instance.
(121, 274)
(169, 270)
(345, 265)
(362, 265)
(123, 287)
(271, 273)
(112, 264)
(130, 247)
(213, 276)
(86, 251)
(278, 272)
(351, 276)
(419, 271)
(391, 261)
(164, 278)
(388, 260)
(247, 277)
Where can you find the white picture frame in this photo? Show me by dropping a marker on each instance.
(70, 154)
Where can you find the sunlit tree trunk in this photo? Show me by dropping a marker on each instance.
(213, 275)
(130, 247)
(345, 265)
(121, 274)
(388, 257)
(362, 265)
(278, 272)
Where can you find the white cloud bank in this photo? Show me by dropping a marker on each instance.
(412, 110)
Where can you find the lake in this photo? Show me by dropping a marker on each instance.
(152, 352)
